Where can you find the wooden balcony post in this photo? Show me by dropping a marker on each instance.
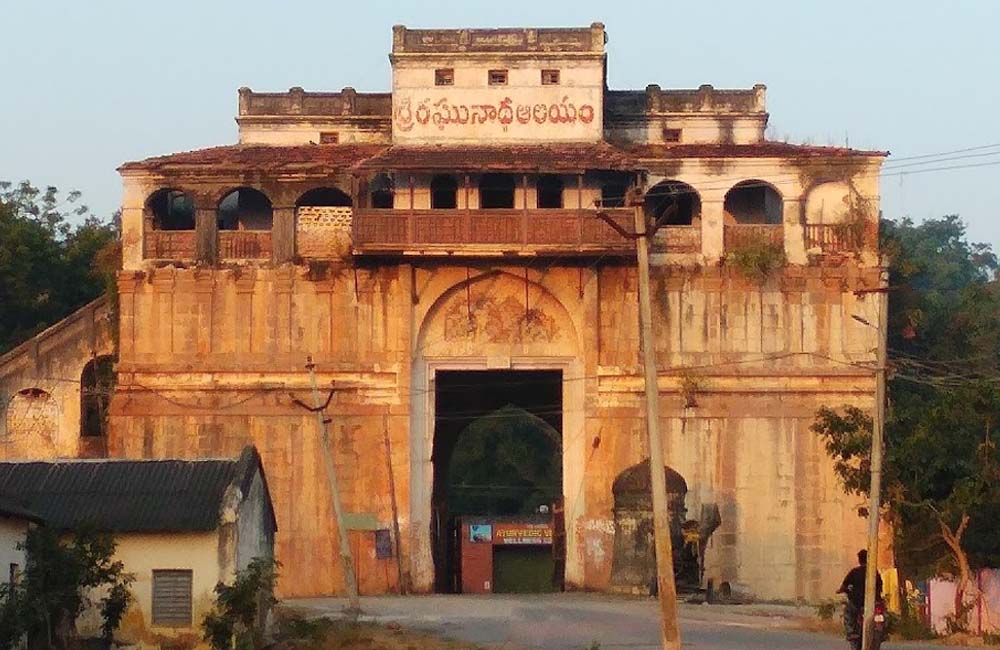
(524, 210)
(206, 229)
(283, 234)
(409, 215)
(580, 216)
(467, 222)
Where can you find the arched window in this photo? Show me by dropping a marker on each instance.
(170, 210)
(245, 209)
(496, 191)
(96, 384)
(324, 197)
(382, 191)
(32, 414)
(752, 202)
(549, 192)
(444, 193)
(673, 202)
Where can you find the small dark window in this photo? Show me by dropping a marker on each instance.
(382, 192)
(496, 191)
(613, 195)
(444, 77)
(97, 381)
(498, 77)
(671, 135)
(14, 577)
(172, 597)
(444, 193)
(329, 137)
(550, 192)
(550, 77)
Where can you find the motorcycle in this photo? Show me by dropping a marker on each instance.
(878, 628)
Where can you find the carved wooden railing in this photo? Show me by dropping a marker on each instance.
(834, 238)
(678, 239)
(738, 235)
(169, 245)
(560, 231)
(244, 244)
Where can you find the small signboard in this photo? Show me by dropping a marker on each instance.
(522, 533)
(480, 533)
(383, 544)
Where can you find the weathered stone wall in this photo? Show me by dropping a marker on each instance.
(211, 360)
(40, 387)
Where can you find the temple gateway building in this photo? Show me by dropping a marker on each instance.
(454, 257)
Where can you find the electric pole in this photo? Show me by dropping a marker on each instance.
(875, 488)
(346, 556)
(667, 590)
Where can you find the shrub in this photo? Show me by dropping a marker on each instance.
(757, 259)
(241, 608)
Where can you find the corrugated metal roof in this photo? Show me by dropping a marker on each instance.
(13, 510)
(127, 495)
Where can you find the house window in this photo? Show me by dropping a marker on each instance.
(444, 77)
(550, 77)
(329, 137)
(496, 191)
(498, 77)
(172, 597)
(671, 135)
(550, 192)
(444, 193)
(14, 577)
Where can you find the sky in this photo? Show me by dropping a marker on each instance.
(88, 85)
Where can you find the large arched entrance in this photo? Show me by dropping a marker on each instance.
(496, 419)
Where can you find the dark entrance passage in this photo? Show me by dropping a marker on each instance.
(497, 453)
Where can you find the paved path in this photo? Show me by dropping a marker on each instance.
(575, 621)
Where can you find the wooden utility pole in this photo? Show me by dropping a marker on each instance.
(346, 555)
(670, 633)
(875, 488)
(403, 587)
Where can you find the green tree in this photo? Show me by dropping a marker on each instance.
(942, 470)
(48, 244)
(60, 577)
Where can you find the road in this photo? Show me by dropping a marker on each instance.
(575, 621)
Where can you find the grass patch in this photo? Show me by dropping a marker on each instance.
(294, 632)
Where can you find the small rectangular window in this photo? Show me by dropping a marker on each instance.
(550, 77)
(498, 77)
(671, 135)
(444, 77)
(172, 597)
(329, 137)
(15, 574)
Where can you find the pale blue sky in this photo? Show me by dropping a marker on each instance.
(89, 84)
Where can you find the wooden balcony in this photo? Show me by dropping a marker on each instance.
(244, 244)
(490, 232)
(739, 235)
(174, 245)
(678, 239)
(834, 238)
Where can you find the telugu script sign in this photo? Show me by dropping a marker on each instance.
(486, 116)
(441, 114)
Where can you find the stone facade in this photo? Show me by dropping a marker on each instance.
(385, 275)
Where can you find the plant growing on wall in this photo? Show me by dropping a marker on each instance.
(757, 259)
(58, 580)
(241, 608)
(689, 389)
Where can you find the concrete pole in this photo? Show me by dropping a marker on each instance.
(875, 489)
(670, 632)
(346, 555)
